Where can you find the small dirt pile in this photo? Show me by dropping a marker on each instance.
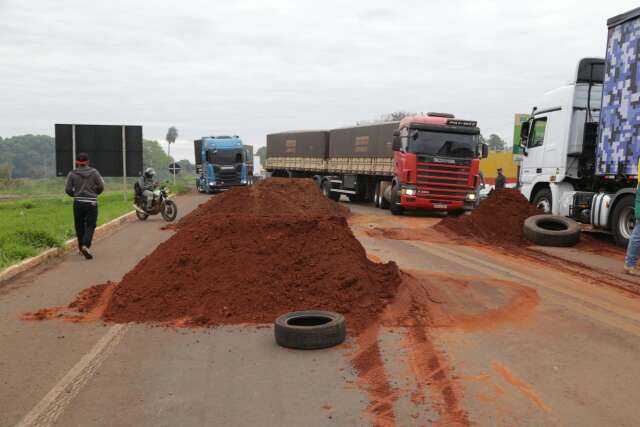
(497, 221)
(252, 254)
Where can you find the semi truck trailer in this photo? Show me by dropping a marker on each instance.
(581, 144)
(426, 162)
(221, 163)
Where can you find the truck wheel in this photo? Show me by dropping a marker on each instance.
(383, 203)
(376, 195)
(551, 230)
(623, 220)
(308, 330)
(543, 200)
(326, 190)
(395, 199)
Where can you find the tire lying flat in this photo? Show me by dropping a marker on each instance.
(551, 230)
(310, 329)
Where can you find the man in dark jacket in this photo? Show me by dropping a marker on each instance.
(501, 180)
(84, 184)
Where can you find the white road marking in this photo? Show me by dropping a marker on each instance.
(47, 411)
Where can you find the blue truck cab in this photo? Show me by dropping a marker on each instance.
(221, 163)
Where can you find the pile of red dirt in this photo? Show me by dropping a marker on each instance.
(252, 254)
(497, 221)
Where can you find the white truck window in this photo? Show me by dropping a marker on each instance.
(539, 127)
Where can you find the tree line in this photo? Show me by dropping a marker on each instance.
(34, 156)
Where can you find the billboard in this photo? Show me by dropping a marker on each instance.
(105, 145)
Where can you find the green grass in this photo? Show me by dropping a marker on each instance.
(36, 214)
(30, 226)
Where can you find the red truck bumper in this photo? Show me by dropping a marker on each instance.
(419, 203)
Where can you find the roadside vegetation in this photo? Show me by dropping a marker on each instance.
(38, 215)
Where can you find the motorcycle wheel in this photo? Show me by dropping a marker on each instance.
(169, 211)
(141, 216)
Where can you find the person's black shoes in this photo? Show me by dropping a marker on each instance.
(85, 251)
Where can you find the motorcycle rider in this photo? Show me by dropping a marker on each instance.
(147, 184)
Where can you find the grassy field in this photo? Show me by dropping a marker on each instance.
(38, 215)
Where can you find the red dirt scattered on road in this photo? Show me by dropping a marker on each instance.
(250, 255)
(497, 221)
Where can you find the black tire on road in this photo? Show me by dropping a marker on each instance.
(310, 329)
(551, 230)
(141, 216)
(326, 190)
(383, 203)
(623, 220)
(376, 195)
(395, 199)
(543, 200)
(170, 211)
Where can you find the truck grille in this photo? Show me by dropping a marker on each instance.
(227, 176)
(442, 182)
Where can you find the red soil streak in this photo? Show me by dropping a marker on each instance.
(456, 295)
(374, 379)
(88, 306)
(422, 234)
(522, 386)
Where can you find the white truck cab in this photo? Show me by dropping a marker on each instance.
(556, 141)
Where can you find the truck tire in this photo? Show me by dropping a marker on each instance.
(543, 200)
(551, 230)
(326, 190)
(395, 198)
(623, 220)
(309, 330)
(383, 203)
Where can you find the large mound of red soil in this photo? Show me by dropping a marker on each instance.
(498, 220)
(252, 254)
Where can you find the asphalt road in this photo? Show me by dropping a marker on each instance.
(567, 357)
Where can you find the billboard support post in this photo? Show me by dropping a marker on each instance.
(124, 164)
(73, 146)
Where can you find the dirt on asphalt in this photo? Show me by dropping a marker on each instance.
(249, 256)
(497, 221)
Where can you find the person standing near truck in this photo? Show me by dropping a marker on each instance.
(633, 248)
(84, 184)
(501, 180)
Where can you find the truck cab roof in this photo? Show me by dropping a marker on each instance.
(222, 142)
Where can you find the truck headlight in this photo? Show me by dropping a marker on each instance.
(243, 181)
(212, 184)
(409, 191)
(471, 197)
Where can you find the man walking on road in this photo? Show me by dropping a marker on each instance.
(501, 180)
(84, 184)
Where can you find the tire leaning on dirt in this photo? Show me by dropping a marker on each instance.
(551, 230)
(310, 329)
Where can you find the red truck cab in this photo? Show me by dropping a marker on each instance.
(436, 164)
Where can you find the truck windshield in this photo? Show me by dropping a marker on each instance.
(226, 156)
(444, 144)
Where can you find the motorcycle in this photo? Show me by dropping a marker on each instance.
(161, 205)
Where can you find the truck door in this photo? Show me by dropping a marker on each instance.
(533, 163)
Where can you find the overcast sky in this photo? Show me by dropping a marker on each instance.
(255, 67)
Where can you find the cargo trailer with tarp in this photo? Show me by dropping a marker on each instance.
(424, 162)
(297, 153)
(581, 144)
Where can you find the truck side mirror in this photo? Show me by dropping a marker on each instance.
(485, 151)
(396, 144)
(524, 133)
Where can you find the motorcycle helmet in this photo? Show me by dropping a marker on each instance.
(149, 172)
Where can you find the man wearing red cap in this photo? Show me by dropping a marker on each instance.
(84, 184)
